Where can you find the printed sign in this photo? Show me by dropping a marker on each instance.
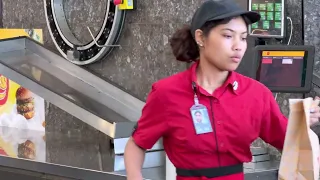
(22, 113)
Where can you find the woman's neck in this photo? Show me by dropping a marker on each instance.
(209, 77)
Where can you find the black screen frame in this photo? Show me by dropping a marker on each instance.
(283, 20)
(309, 66)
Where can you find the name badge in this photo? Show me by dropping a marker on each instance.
(200, 118)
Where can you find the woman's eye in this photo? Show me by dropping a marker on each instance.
(227, 36)
(244, 38)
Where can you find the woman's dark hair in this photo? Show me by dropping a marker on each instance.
(184, 46)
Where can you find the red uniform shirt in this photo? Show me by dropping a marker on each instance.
(240, 111)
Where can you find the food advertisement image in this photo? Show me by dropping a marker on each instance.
(22, 113)
(22, 143)
(19, 107)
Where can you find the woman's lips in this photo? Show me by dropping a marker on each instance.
(236, 59)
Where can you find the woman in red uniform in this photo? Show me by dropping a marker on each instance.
(238, 109)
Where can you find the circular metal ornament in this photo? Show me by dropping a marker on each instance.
(66, 42)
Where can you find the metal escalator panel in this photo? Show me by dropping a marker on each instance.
(69, 87)
(70, 155)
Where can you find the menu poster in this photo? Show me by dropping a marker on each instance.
(271, 17)
(22, 143)
(19, 107)
(22, 113)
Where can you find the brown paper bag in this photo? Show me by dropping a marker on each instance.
(299, 160)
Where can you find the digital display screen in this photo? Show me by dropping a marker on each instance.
(282, 68)
(271, 22)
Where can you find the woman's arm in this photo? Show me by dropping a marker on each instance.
(273, 123)
(133, 159)
(149, 129)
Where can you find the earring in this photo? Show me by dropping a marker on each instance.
(199, 44)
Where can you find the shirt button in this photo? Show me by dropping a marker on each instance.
(219, 122)
(222, 145)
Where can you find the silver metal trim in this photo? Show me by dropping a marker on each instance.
(76, 111)
(63, 28)
(261, 158)
(253, 171)
(68, 37)
(119, 101)
(54, 169)
(120, 143)
(258, 151)
(120, 104)
(95, 41)
(151, 160)
(74, 172)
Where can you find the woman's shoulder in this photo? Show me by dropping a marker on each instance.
(251, 84)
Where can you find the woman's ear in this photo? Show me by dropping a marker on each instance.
(198, 35)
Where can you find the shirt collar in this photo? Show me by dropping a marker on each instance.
(231, 81)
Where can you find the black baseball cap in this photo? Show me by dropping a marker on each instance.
(212, 10)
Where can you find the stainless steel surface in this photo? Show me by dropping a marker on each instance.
(77, 91)
(62, 24)
(261, 158)
(119, 145)
(157, 173)
(258, 151)
(10, 173)
(57, 170)
(152, 160)
(66, 153)
(262, 170)
(78, 156)
(65, 40)
(259, 154)
(261, 166)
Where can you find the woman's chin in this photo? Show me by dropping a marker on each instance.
(231, 68)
